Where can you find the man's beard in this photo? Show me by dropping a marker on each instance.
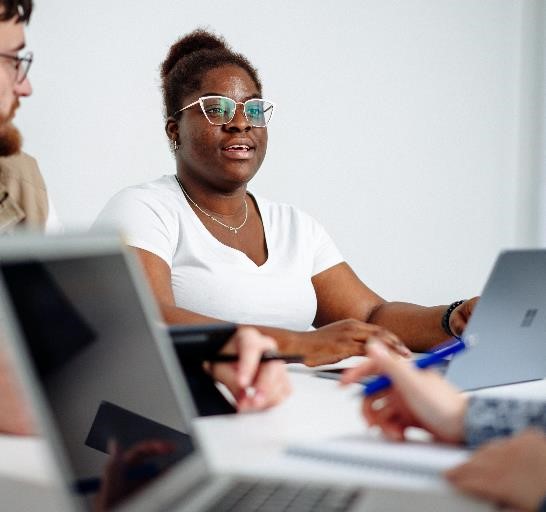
(10, 138)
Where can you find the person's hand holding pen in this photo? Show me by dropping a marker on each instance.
(255, 384)
(415, 398)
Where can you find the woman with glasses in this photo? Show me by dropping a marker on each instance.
(214, 251)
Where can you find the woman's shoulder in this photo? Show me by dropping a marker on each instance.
(280, 211)
(161, 190)
(139, 201)
(145, 203)
(165, 183)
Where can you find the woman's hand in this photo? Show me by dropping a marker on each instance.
(460, 316)
(509, 471)
(416, 398)
(342, 339)
(254, 386)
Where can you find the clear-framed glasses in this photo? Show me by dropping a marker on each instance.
(21, 65)
(220, 110)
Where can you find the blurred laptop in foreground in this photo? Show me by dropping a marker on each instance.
(110, 397)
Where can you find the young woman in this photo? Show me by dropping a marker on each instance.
(213, 251)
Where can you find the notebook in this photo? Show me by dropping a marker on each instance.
(110, 398)
(508, 326)
(393, 460)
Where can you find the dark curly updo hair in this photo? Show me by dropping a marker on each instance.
(190, 58)
(22, 9)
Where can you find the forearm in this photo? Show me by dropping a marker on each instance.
(487, 418)
(419, 327)
(287, 341)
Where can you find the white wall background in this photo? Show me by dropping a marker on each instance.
(409, 128)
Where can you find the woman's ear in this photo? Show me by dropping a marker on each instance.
(171, 129)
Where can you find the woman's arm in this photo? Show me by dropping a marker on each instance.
(341, 294)
(328, 344)
(269, 380)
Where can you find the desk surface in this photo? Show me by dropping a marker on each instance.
(254, 444)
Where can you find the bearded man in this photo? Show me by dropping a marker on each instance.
(23, 198)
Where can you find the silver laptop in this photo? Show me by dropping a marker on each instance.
(109, 395)
(508, 325)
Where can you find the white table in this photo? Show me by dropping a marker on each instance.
(251, 444)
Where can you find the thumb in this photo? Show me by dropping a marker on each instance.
(397, 369)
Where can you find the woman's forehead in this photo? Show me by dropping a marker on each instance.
(231, 81)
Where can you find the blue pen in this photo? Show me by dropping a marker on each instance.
(449, 348)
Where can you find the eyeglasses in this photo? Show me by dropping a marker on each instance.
(21, 65)
(220, 110)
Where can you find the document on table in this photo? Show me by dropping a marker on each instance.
(418, 458)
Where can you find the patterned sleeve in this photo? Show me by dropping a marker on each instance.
(487, 417)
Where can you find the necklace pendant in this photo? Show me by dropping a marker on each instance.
(235, 230)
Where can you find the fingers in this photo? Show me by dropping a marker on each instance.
(368, 367)
(390, 339)
(419, 398)
(379, 411)
(270, 387)
(384, 362)
(457, 322)
(336, 341)
(250, 346)
(460, 316)
(253, 384)
(397, 346)
(365, 369)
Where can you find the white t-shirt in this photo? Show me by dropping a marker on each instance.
(213, 279)
(53, 224)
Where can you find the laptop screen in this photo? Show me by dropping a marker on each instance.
(507, 328)
(102, 374)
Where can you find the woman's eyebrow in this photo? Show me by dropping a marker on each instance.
(255, 95)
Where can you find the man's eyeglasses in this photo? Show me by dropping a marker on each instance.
(220, 110)
(21, 65)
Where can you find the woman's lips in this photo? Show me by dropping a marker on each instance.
(238, 151)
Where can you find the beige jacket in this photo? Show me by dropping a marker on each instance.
(23, 204)
(23, 195)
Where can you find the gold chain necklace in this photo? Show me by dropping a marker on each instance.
(227, 226)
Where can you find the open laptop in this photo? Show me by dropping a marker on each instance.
(508, 326)
(102, 377)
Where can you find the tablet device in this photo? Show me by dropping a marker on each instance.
(193, 345)
(198, 342)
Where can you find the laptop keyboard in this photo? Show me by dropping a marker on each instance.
(277, 497)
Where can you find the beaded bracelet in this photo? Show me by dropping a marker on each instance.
(447, 314)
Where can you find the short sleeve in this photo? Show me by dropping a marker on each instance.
(326, 253)
(144, 221)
